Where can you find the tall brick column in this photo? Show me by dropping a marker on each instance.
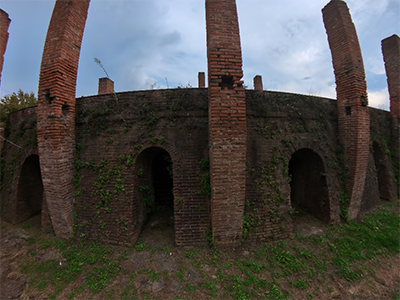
(351, 90)
(227, 121)
(391, 56)
(56, 109)
(4, 24)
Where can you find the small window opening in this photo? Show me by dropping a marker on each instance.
(65, 110)
(348, 110)
(227, 82)
(364, 101)
(47, 98)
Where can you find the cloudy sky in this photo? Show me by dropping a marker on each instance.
(147, 44)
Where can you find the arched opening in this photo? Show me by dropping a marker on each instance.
(155, 197)
(381, 164)
(30, 189)
(309, 190)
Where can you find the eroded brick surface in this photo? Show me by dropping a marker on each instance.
(4, 24)
(56, 109)
(227, 120)
(352, 99)
(391, 56)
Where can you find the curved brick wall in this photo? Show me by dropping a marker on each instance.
(351, 90)
(56, 109)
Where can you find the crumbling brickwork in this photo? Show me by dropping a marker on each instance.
(227, 121)
(56, 109)
(4, 24)
(351, 90)
(391, 56)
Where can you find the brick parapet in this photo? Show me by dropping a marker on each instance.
(106, 86)
(227, 121)
(201, 80)
(56, 109)
(258, 85)
(4, 24)
(352, 99)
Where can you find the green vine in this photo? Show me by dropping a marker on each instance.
(205, 184)
(343, 196)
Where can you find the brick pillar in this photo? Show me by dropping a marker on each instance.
(106, 86)
(391, 56)
(202, 80)
(227, 121)
(56, 110)
(4, 24)
(351, 91)
(257, 81)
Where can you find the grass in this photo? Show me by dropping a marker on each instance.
(269, 271)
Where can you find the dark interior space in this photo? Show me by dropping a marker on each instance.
(158, 201)
(30, 189)
(309, 190)
(162, 180)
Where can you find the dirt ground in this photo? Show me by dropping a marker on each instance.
(16, 250)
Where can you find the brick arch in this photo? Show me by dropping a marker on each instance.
(56, 109)
(309, 187)
(146, 173)
(331, 178)
(29, 190)
(387, 188)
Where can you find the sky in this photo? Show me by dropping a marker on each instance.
(150, 44)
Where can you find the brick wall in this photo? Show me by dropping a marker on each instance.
(353, 114)
(227, 121)
(56, 109)
(1, 138)
(21, 144)
(391, 56)
(4, 24)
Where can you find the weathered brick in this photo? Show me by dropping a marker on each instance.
(56, 107)
(352, 98)
(4, 24)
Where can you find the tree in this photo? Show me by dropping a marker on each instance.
(16, 101)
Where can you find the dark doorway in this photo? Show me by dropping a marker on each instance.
(309, 190)
(385, 182)
(30, 189)
(155, 197)
(162, 179)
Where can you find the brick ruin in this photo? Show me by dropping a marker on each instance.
(4, 24)
(222, 162)
(352, 99)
